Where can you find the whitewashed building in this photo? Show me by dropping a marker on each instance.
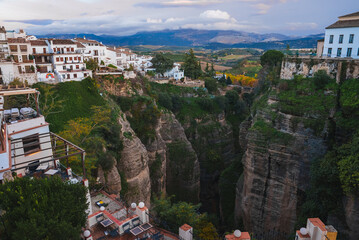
(68, 61)
(342, 38)
(43, 59)
(93, 49)
(175, 73)
(24, 63)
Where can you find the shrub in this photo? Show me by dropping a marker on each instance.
(321, 79)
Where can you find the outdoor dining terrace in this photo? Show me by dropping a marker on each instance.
(111, 219)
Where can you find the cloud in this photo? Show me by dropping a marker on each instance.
(41, 22)
(154, 20)
(178, 3)
(302, 26)
(262, 8)
(215, 14)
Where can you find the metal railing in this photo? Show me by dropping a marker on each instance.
(61, 150)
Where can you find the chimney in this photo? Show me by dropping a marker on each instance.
(186, 232)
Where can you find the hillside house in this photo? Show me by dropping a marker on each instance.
(342, 38)
(93, 49)
(24, 63)
(43, 60)
(68, 60)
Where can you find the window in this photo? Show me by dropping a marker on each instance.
(64, 67)
(23, 48)
(72, 49)
(68, 76)
(339, 52)
(75, 75)
(77, 67)
(57, 59)
(44, 50)
(85, 74)
(349, 52)
(331, 38)
(31, 144)
(62, 59)
(33, 50)
(68, 49)
(13, 48)
(70, 59)
(330, 51)
(54, 49)
(341, 38)
(351, 38)
(75, 58)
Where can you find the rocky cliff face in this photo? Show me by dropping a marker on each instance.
(307, 67)
(214, 143)
(279, 150)
(173, 162)
(134, 164)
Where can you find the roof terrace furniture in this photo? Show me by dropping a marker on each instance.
(100, 218)
(114, 232)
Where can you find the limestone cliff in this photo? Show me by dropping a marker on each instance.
(279, 150)
(173, 171)
(134, 164)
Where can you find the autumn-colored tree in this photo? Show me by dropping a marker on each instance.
(80, 131)
(49, 100)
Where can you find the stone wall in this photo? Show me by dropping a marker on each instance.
(336, 68)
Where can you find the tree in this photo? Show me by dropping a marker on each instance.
(42, 209)
(91, 64)
(162, 63)
(191, 65)
(228, 81)
(211, 85)
(49, 100)
(321, 78)
(177, 214)
(272, 58)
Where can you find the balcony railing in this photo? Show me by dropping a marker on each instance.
(59, 150)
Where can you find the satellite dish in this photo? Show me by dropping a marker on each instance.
(102, 208)
(87, 233)
(237, 233)
(303, 231)
(133, 205)
(141, 205)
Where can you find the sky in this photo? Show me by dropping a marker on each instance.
(126, 17)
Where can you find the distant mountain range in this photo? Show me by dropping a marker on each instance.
(212, 39)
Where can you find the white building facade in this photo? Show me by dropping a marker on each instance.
(342, 38)
(68, 62)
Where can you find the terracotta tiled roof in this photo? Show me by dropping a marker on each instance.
(17, 40)
(244, 236)
(63, 41)
(344, 24)
(303, 236)
(356, 14)
(186, 227)
(38, 43)
(318, 223)
(81, 40)
(79, 45)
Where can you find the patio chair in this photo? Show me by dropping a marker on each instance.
(101, 238)
(100, 218)
(114, 232)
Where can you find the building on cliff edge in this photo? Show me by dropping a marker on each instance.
(341, 38)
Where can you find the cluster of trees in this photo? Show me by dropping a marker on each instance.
(42, 209)
(173, 215)
(162, 63)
